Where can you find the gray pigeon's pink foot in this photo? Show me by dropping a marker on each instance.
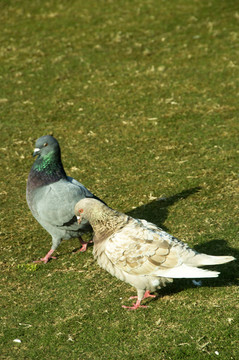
(83, 248)
(146, 295)
(84, 245)
(135, 306)
(46, 258)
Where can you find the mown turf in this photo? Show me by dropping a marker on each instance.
(143, 98)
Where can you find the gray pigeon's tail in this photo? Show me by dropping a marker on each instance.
(204, 259)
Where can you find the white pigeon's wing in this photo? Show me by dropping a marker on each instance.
(144, 250)
(149, 225)
(141, 250)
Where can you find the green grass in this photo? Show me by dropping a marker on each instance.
(143, 98)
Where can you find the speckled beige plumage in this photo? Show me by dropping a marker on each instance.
(140, 253)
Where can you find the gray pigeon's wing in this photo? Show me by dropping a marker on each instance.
(55, 203)
(84, 190)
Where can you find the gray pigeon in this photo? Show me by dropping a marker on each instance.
(140, 253)
(52, 195)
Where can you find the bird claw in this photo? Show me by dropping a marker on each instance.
(84, 245)
(146, 295)
(45, 260)
(82, 249)
(134, 307)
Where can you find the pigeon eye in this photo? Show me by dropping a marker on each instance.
(81, 211)
(45, 144)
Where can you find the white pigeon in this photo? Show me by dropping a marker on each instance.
(140, 253)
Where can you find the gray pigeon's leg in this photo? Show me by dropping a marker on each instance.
(84, 245)
(47, 257)
(141, 295)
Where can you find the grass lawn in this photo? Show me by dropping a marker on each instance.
(143, 98)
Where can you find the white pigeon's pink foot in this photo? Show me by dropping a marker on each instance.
(146, 295)
(135, 306)
(46, 258)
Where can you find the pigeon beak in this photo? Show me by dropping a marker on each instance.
(78, 219)
(36, 152)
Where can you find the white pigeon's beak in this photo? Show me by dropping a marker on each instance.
(36, 152)
(79, 219)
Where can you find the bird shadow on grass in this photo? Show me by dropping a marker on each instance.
(157, 212)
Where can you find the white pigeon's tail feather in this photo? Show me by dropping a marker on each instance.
(185, 271)
(204, 259)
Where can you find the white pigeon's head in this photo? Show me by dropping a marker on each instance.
(102, 218)
(90, 209)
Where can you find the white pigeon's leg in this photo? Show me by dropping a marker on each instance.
(140, 297)
(47, 257)
(146, 295)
